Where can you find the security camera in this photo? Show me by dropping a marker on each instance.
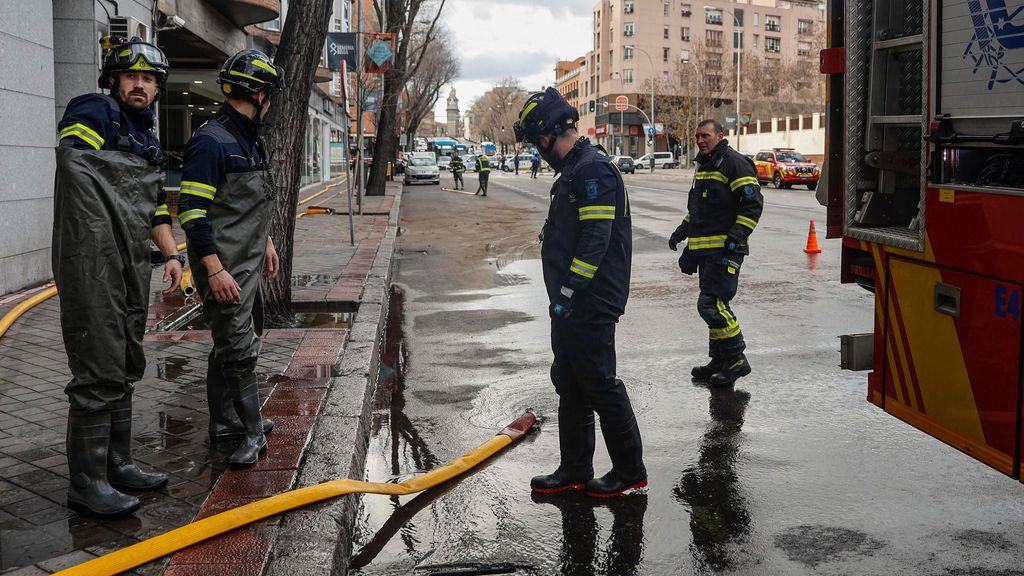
(175, 22)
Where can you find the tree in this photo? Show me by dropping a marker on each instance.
(440, 66)
(302, 43)
(400, 18)
(499, 108)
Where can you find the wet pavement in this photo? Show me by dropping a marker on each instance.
(789, 472)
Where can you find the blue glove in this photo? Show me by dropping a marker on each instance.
(561, 307)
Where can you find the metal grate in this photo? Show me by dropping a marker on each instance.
(895, 236)
(911, 73)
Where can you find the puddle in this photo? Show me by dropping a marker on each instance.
(314, 280)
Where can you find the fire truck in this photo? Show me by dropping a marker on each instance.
(924, 183)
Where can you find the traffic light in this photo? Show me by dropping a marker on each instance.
(592, 107)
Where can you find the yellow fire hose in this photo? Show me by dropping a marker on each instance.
(180, 538)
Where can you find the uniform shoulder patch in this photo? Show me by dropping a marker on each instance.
(591, 187)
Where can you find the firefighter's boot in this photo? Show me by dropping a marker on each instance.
(122, 472)
(241, 377)
(705, 372)
(88, 443)
(224, 422)
(733, 369)
(576, 446)
(628, 472)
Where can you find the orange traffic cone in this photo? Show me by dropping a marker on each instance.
(812, 241)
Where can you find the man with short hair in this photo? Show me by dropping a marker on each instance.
(458, 168)
(586, 255)
(724, 206)
(226, 195)
(483, 169)
(109, 202)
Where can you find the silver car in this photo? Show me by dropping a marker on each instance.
(422, 169)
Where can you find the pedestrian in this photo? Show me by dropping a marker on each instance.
(226, 195)
(457, 168)
(724, 206)
(586, 255)
(483, 168)
(109, 202)
(534, 165)
(515, 163)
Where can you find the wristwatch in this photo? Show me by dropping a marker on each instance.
(180, 258)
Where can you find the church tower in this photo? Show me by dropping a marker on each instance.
(454, 125)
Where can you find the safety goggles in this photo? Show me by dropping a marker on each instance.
(140, 56)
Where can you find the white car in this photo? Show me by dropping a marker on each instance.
(661, 160)
(443, 162)
(422, 169)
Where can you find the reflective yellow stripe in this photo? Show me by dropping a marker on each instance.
(743, 182)
(687, 217)
(190, 215)
(732, 327)
(86, 134)
(265, 66)
(161, 210)
(198, 189)
(526, 111)
(597, 213)
(237, 73)
(704, 242)
(712, 175)
(724, 333)
(582, 268)
(748, 222)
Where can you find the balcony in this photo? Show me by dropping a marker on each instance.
(241, 13)
(773, 27)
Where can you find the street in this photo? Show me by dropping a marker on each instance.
(790, 472)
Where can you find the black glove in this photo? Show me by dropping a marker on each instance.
(687, 263)
(732, 242)
(678, 236)
(561, 307)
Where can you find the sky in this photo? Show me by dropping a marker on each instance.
(520, 38)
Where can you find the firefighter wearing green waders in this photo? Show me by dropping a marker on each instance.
(108, 204)
(226, 195)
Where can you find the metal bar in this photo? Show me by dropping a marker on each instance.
(914, 41)
(908, 119)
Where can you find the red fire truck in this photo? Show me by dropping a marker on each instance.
(924, 183)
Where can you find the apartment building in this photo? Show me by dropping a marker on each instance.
(567, 79)
(637, 40)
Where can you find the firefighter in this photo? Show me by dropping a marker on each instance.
(586, 255)
(226, 195)
(457, 168)
(109, 203)
(483, 168)
(724, 206)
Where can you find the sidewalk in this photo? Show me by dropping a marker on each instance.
(320, 418)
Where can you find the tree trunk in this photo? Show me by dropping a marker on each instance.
(302, 42)
(387, 129)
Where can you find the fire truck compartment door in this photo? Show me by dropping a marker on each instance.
(952, 358)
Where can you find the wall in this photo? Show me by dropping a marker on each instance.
(26, 142)
(809, 142)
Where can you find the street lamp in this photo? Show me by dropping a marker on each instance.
(654, 131)
(737, 33)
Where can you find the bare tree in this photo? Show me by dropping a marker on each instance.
(422, 91)
(400, 18)
(499, 108)
(302, 43)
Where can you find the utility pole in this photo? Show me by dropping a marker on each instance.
(359, 105)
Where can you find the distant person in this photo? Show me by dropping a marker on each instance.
(586, 255)
(534, 165)
(515, 163)
(457, 168)
(483, 169)
(724, 206)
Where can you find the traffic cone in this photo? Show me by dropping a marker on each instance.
(812, 241)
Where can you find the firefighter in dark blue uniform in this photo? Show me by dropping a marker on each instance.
(109, 204)
(724, 206)
(586, 253)
(226, 191)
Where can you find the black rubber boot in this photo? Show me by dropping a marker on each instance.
(241, 376)
(89, 491)
(224, 422)
(628, 473)
(734, 369)
(576, 446)
(705, 372)
(122, 473)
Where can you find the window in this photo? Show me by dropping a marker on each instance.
(738, 17)
(627, 29)
(757, 41)
(665, 7)
(627, 76)
(773, 23)
(684, 10)
(684, 55)
(712, 15)
(664, 75)
(611, 55)
(684, 34)
(664, 32)
(627, 52)
(804, 27)
(803, 48)
(627, 7)
(737, 40)
(713, 62)
(713, 38)
(713, 82)
(772, 45)
(755, 18)
(664, 54)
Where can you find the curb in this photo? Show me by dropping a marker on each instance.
(318, 539)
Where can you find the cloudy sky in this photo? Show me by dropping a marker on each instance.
(520, 38)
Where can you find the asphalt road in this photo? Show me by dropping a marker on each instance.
(790, 472)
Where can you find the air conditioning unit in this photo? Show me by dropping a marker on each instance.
(127, 27)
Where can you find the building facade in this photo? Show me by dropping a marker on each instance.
(640, 42)
(567, 79)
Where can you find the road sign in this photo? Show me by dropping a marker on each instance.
(746, 117)
(650, 131)
(621, 103)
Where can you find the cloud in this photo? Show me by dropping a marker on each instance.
(493, 67)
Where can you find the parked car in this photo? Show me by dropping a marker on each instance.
(661, 160)
(625, 164)
(443, 162)
(422, 169)
(784, 167)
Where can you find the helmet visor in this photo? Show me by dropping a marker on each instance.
(139, 56)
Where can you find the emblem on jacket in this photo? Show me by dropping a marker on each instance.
(591, 186)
